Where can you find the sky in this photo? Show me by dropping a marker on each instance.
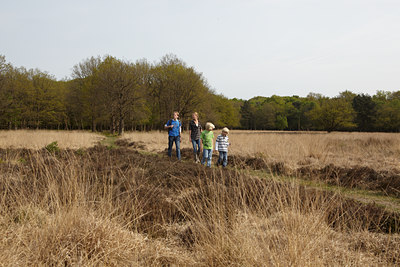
(243, 48)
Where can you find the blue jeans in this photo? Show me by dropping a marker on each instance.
(207, 154)
(177, 140)
(223, 158)
(196, 146)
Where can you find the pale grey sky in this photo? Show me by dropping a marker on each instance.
(243, 48)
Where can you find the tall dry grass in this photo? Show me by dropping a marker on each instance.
(36, 139)
(380, 151)
(155, 141)
(75, 209)
(121, 208)
(377, 150)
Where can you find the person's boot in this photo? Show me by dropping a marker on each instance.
(198, 157)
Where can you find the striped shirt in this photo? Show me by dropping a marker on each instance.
(223, 143)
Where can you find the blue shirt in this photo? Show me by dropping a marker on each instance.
(176, 131)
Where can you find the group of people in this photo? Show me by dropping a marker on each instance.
(198, 138)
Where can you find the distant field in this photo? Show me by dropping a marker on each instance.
(36, 139)
(380, 151)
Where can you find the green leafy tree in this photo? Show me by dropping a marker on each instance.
(43, 104)
(6, 94)
(333, 114)
(75, 107)
(388, 111)
(88, 91)
(174, 86)
(222, 112)
(121, 83)
(141, 114)
(14, 96)
(265, 117)
(365, 109)
(247, 112)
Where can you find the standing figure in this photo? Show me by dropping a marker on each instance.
(221, 145)
(194, 136)
(207, 137)
(174, 127)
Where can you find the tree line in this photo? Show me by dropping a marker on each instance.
(107, 93)
(346, 112)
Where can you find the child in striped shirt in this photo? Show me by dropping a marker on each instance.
(222, 146)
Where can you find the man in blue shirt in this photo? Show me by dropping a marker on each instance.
(174, 127)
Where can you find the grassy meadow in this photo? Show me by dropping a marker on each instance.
(36, 139)
(376, 150)
(305, 199)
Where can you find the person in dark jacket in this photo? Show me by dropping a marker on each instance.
(194, 136)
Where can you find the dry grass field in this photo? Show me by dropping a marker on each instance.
(380, 151)
(132, 206)
(36, 139)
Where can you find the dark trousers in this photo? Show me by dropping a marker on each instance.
(177, 140)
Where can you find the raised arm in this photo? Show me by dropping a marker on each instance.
(166, 126)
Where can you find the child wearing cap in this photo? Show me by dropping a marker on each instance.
(221, 145)
(207, 137)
